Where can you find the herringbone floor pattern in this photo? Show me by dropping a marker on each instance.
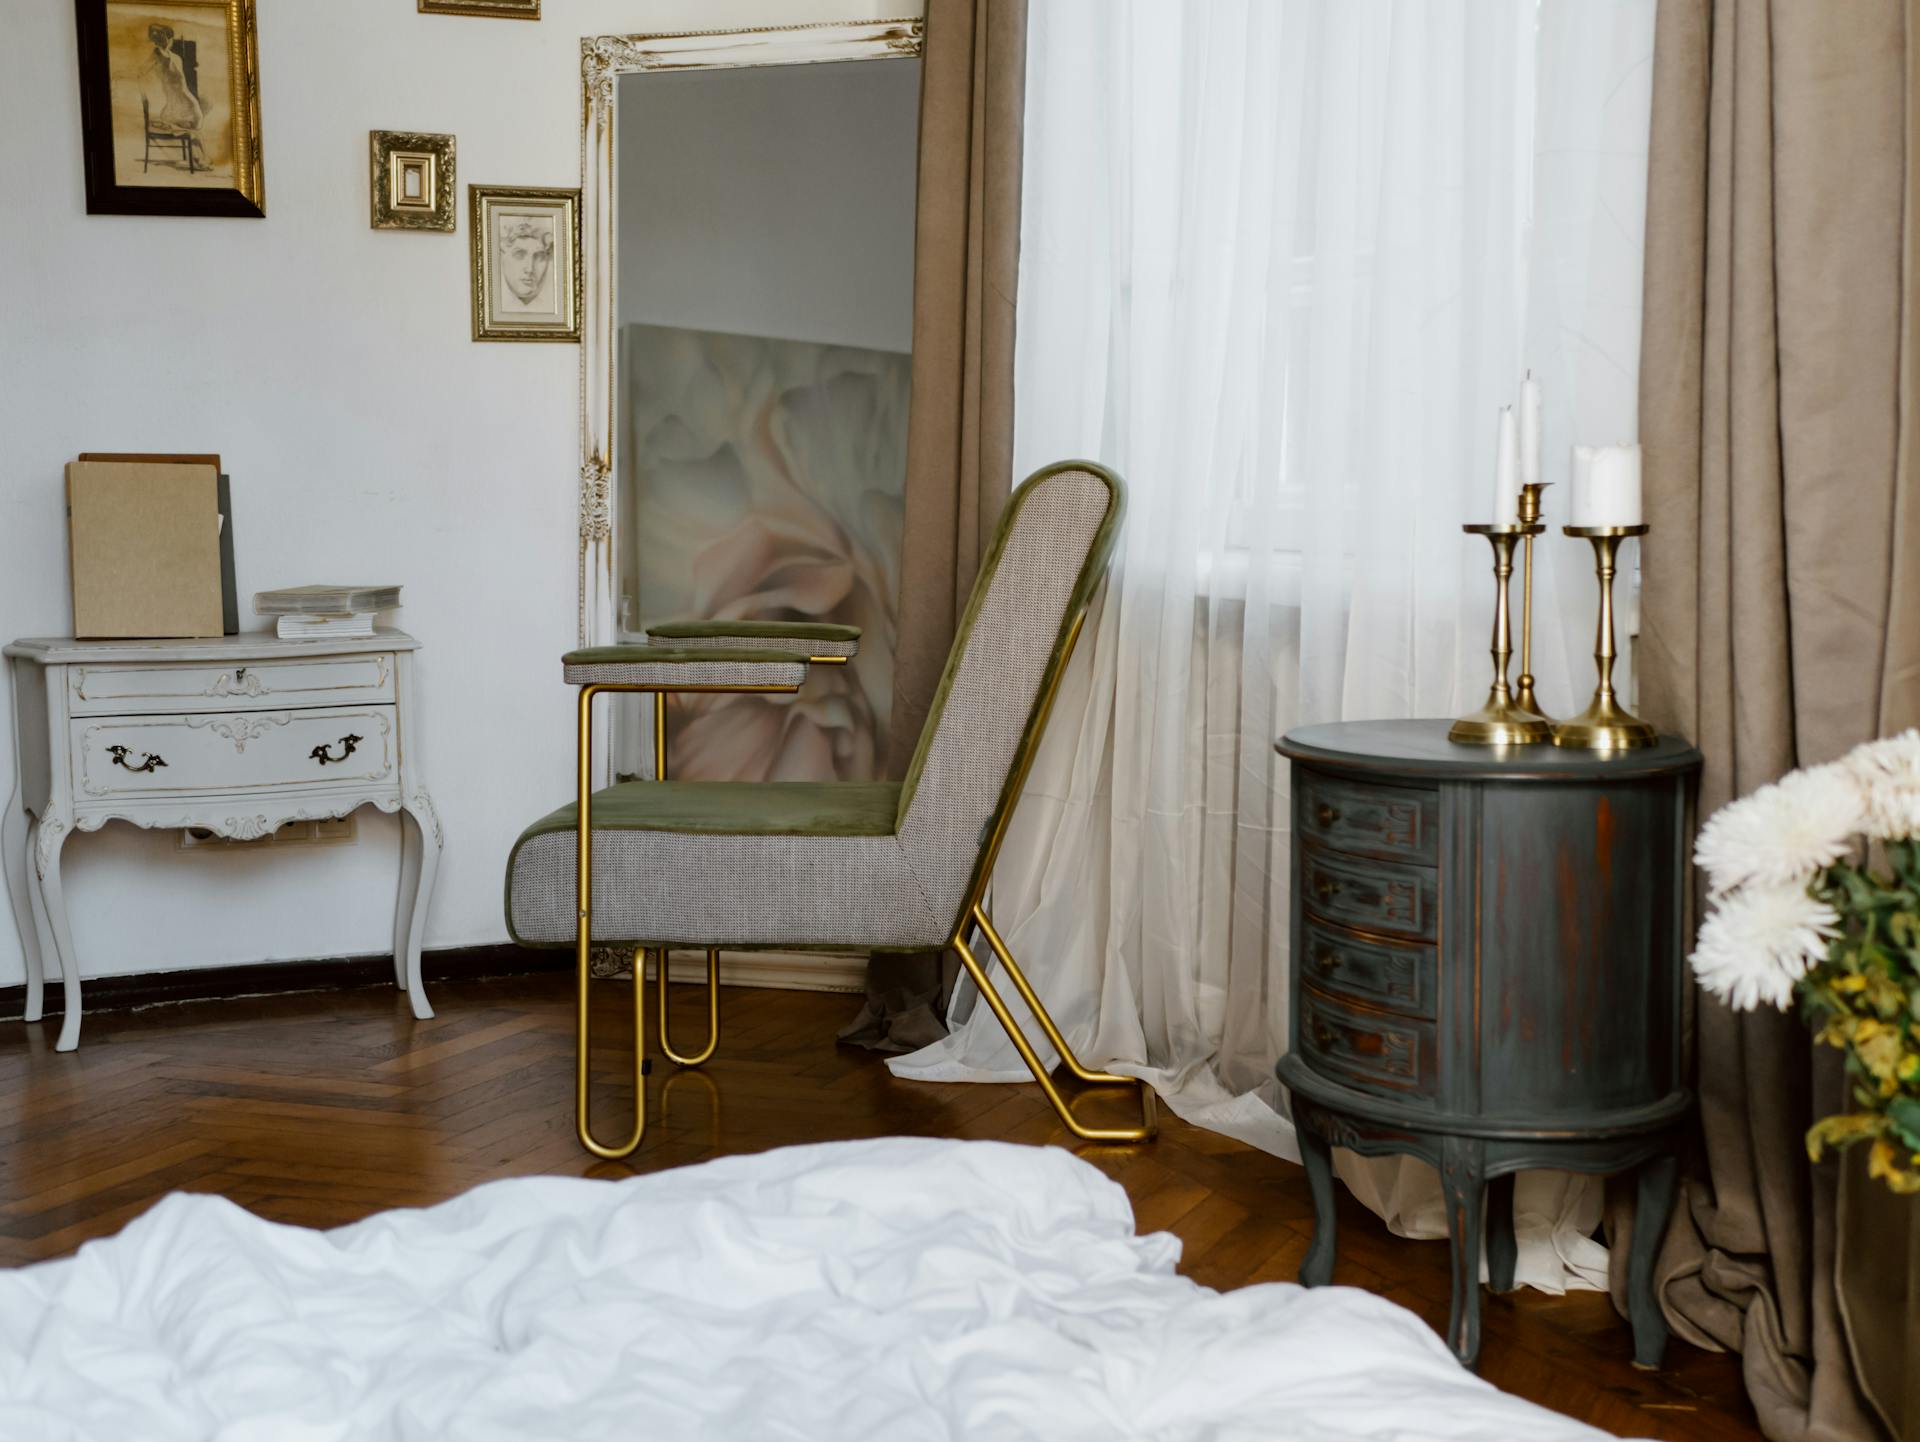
(320, 1108)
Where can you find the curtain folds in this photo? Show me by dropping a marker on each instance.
(1281, 264)
(1770, 415)
(960, 426)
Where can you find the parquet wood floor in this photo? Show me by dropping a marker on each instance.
(320, 1108)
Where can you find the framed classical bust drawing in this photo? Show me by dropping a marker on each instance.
(526, 262)
(170, 107)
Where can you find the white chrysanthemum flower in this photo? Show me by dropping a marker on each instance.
(1889, 775)
(1783, 833)
(1759, 941)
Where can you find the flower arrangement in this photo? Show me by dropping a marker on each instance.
(1800, 908)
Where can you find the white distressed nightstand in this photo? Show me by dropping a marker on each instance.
(236, 734)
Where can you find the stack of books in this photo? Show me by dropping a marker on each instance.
(315, 613)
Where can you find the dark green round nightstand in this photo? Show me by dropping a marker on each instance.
(1487, 973)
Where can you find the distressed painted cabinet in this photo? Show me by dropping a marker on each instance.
(1487, 973)
(236, 734)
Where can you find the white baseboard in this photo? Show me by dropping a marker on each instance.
(777, 970)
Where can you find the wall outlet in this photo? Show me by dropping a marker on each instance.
(333, 831)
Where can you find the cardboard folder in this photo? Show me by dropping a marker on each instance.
(229, 586)
(144, 542)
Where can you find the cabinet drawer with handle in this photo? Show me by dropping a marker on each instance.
(1398, 823)
(119, 756)
(1370, 969)
(1372, 895)
(280, 683)
(1388, 1055)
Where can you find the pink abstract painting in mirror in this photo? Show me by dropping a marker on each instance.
(764, 477)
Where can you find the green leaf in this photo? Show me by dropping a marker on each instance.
(1904, 1113)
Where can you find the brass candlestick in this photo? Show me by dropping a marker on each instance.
(1529, 514)
(1605, 725)
(1501, 721)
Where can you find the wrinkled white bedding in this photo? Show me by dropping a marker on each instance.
(904, 1288)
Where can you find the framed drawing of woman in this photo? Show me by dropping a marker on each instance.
(170, 107)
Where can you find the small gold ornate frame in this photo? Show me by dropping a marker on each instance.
(499, 9)
(412, 180)
(499, 219)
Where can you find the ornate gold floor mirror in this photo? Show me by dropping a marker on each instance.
(747, 214)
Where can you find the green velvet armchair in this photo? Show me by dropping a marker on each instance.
(839, 866)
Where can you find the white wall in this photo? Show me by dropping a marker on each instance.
(368, 437)
(776, 201)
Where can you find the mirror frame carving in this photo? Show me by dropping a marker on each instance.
(603, 59)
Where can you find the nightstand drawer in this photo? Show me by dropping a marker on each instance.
(1389, 1055)
(1369, 969)
(122, 756)
(125, 690)
(1399, 823)
(1372, 895)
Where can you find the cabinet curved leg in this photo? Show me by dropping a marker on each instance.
(14, 840)
(1653, 1204)
(49, 840)
(1503, 1248)
(1462, 1182)
(420, 842)
(1316, 1155)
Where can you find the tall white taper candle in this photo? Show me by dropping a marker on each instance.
(1506, 484)
(1529, 431)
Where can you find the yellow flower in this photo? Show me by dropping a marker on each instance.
(1880, 1161)
(1850, 981)
(1909, 1068)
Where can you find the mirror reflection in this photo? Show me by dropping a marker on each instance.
(765, 283)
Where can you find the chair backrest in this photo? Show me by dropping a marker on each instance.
(1047, 558)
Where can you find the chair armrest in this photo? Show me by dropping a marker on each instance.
(815, 639)
(703, 669)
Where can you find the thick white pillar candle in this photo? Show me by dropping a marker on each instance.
(1579, 494)
(1529, 431)
(1613, 487)
(1506, 484)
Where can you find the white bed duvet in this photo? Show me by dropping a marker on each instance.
(902, 1289)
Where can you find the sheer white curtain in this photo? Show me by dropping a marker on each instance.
(1282, 262)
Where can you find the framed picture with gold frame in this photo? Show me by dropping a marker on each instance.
(501, 9)
(412, 180)
(526, 262)
(170, 107)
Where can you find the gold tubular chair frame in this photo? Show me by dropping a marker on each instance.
(583, 945)
(973, 914)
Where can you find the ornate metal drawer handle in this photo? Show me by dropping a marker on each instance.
(1326, 815)
(1325, 887)
(153, 761)
(1322, 1034)
(324, 754)
(1329, 961)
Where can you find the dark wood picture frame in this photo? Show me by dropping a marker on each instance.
(105, 195)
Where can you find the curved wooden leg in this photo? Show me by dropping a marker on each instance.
(1653, 1205)
(420, 842)
(1461, 1180)
(1503, 1249)
(50, 838)
(15, 838)
(410, 848)
(1316, 1155)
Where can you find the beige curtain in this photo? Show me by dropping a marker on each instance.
(1771, 406)
(960, 427)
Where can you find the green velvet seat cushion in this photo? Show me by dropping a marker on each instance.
(735, 808)
(642, 654)
(782, 630)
